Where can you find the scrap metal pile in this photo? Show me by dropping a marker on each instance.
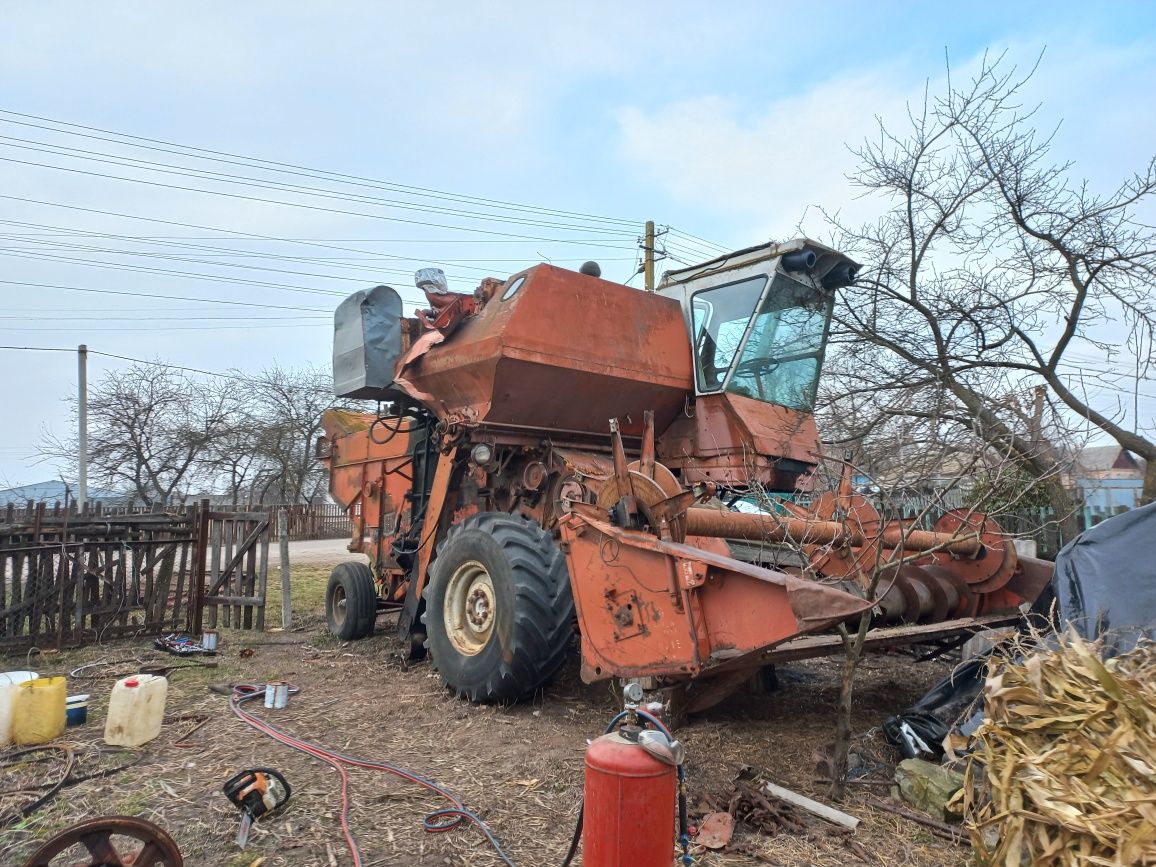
(1064, 769)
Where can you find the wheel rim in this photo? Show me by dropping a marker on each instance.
(469, 610)
(339, 605)
(104, 841)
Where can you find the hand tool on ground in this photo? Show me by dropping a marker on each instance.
(257, 792)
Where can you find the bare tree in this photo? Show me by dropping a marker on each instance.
(904, 504)
(150, 431)
(283, 408)
(986, 274)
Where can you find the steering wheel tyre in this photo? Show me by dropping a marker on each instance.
(499, 611)
(351, 601)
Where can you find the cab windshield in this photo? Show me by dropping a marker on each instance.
(784, 339)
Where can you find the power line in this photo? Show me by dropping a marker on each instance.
(98, 316)
(374, 274)
(295, 189)
(157, 328)
(701, 242)
(215, 155)
(40, 348)
(145, 361)
(156, 295)
(229, 252)
(239, 234)
(268, 201)
(187, 275)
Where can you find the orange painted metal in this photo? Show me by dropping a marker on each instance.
(773, 528)
(650, 607)
(735, 440)
(534, 368)
(566, 351)
(370, 481)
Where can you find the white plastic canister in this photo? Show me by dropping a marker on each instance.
(9, 680)
(136, 710)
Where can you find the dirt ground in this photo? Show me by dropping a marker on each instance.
(519, 767)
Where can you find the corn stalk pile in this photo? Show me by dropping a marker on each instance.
(1064, 768)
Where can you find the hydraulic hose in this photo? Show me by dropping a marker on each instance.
(436, 822)
(446, 818)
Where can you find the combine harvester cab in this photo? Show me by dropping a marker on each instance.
(550, 452)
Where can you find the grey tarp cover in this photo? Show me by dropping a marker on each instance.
(1105, 579)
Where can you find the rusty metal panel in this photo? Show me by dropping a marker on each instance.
(730, 438)
(650, 607)
(566, 350)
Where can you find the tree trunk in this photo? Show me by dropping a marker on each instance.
(852, 653)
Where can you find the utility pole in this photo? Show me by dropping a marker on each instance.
(648, 260)
(82, 439)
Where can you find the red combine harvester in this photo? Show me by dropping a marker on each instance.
(554, 451)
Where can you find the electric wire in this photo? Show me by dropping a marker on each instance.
(236, 159)
(134, 294)
(703, 242)
(238, 235)
(330, 263)
(279, 202)
(17, 251)
(294, 189)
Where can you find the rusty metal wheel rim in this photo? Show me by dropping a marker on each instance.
(340, 604)
(470, 608)
(97, 836)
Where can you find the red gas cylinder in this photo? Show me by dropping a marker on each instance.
(630, 806)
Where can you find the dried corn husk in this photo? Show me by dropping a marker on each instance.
(1064, 770)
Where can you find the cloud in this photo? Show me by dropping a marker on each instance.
(765, 167)
(761, 168)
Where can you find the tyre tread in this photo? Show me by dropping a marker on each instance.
(543, 614)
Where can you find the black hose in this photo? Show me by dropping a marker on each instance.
(574, 840)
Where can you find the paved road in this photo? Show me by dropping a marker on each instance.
(322, 551)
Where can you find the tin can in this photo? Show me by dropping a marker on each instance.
(276, 694)
(209, 639)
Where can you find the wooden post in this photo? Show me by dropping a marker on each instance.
(648, 257)
(200, 552)
(286, 596)
(82, 432)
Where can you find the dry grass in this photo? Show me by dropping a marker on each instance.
(520, 767)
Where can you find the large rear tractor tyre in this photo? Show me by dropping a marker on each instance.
(499, 612)
(351, 601)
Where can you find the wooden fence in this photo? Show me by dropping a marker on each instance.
(237, 569)
(69, 579)
(306, 520)
(313, 521)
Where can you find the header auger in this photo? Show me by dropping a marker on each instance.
(552, 455)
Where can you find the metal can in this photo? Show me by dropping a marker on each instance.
(209, 639)
(276, 694)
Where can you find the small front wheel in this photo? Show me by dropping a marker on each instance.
(351, 601)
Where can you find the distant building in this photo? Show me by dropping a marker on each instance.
(56, 491)
(1109, 480)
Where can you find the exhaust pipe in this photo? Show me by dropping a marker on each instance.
(800, 260)
(841, 275)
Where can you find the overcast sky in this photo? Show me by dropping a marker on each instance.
(726, 121)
